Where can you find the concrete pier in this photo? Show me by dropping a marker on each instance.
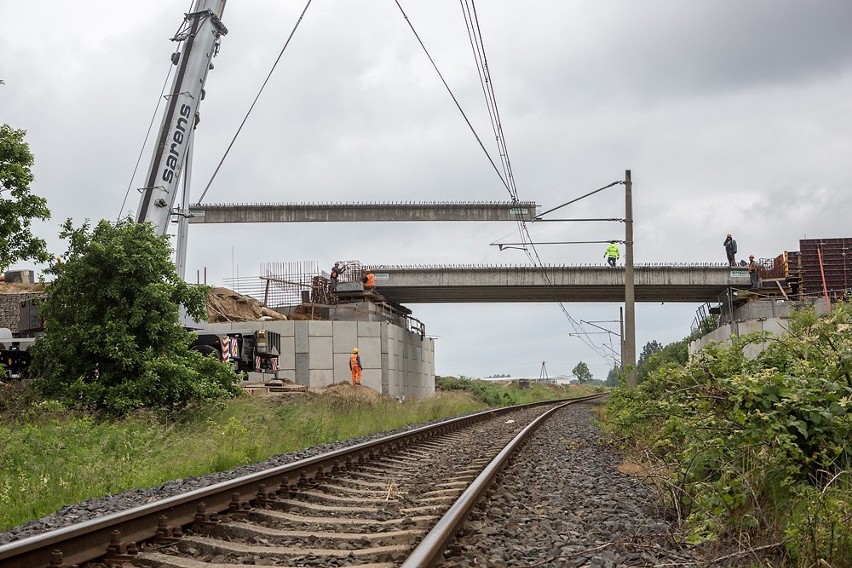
(396, 362)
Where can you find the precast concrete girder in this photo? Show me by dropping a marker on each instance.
(481, 284)
(360, 212)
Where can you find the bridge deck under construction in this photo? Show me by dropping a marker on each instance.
(481, 284)
(471, 284)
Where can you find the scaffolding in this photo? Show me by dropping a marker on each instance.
(287, 284)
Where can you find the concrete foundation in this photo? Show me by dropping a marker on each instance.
(396, 362)
(753, 317)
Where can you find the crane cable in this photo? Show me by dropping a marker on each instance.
(260, 91)
(452, 95)
(478, 48)
(160, 99)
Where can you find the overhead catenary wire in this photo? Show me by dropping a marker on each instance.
(576, 199)
(527, 245)
(254, 102)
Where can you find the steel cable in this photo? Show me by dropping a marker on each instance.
(260, 91)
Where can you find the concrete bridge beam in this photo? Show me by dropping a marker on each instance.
(477, 284)
(360, 212)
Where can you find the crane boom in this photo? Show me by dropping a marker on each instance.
(200, 33)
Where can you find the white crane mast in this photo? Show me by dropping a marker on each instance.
(200, 36)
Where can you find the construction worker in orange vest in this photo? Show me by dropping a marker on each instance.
(355, 366)
(369, 281)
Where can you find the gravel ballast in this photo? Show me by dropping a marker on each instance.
(561, 502)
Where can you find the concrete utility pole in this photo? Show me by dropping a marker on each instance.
(621, 337)
(629, 360)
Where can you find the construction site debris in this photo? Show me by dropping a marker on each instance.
(20, 288)
(344, 389)
(224, 305)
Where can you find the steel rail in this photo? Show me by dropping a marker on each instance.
(116, 534)
(431, 548)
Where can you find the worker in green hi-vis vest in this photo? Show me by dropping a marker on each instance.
(612, 253)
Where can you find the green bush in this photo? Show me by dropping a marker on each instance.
(113, 338)
(496, 395)
(757, 445)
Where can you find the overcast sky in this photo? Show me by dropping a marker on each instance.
(733, 115)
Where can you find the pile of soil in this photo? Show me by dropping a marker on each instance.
(224, 305)
(345, 389)
(18, 288)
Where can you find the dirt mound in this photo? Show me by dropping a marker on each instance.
(18, 288)
(224, 305)
(345, 389)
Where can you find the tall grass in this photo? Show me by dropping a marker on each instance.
(50, 458)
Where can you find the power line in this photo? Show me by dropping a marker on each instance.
(145, 141)
(527, 245)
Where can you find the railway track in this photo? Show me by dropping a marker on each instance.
(394, 501)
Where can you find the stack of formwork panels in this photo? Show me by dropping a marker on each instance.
(836, 265)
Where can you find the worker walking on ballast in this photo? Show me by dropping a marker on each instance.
(612, 253)
(355, 366)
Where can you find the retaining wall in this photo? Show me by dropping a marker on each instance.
(759, 315)
(10, 308)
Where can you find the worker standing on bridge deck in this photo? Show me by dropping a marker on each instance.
(730, 249)
(355, 366)
(752, 271)
(612, 253)
(369, 281)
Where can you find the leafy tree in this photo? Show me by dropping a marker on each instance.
(612, 377)
(649, 349)
(581, 371)
(676, 353)
(18, 206)
(113, 339)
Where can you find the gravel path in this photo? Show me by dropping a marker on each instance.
(563, 503)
